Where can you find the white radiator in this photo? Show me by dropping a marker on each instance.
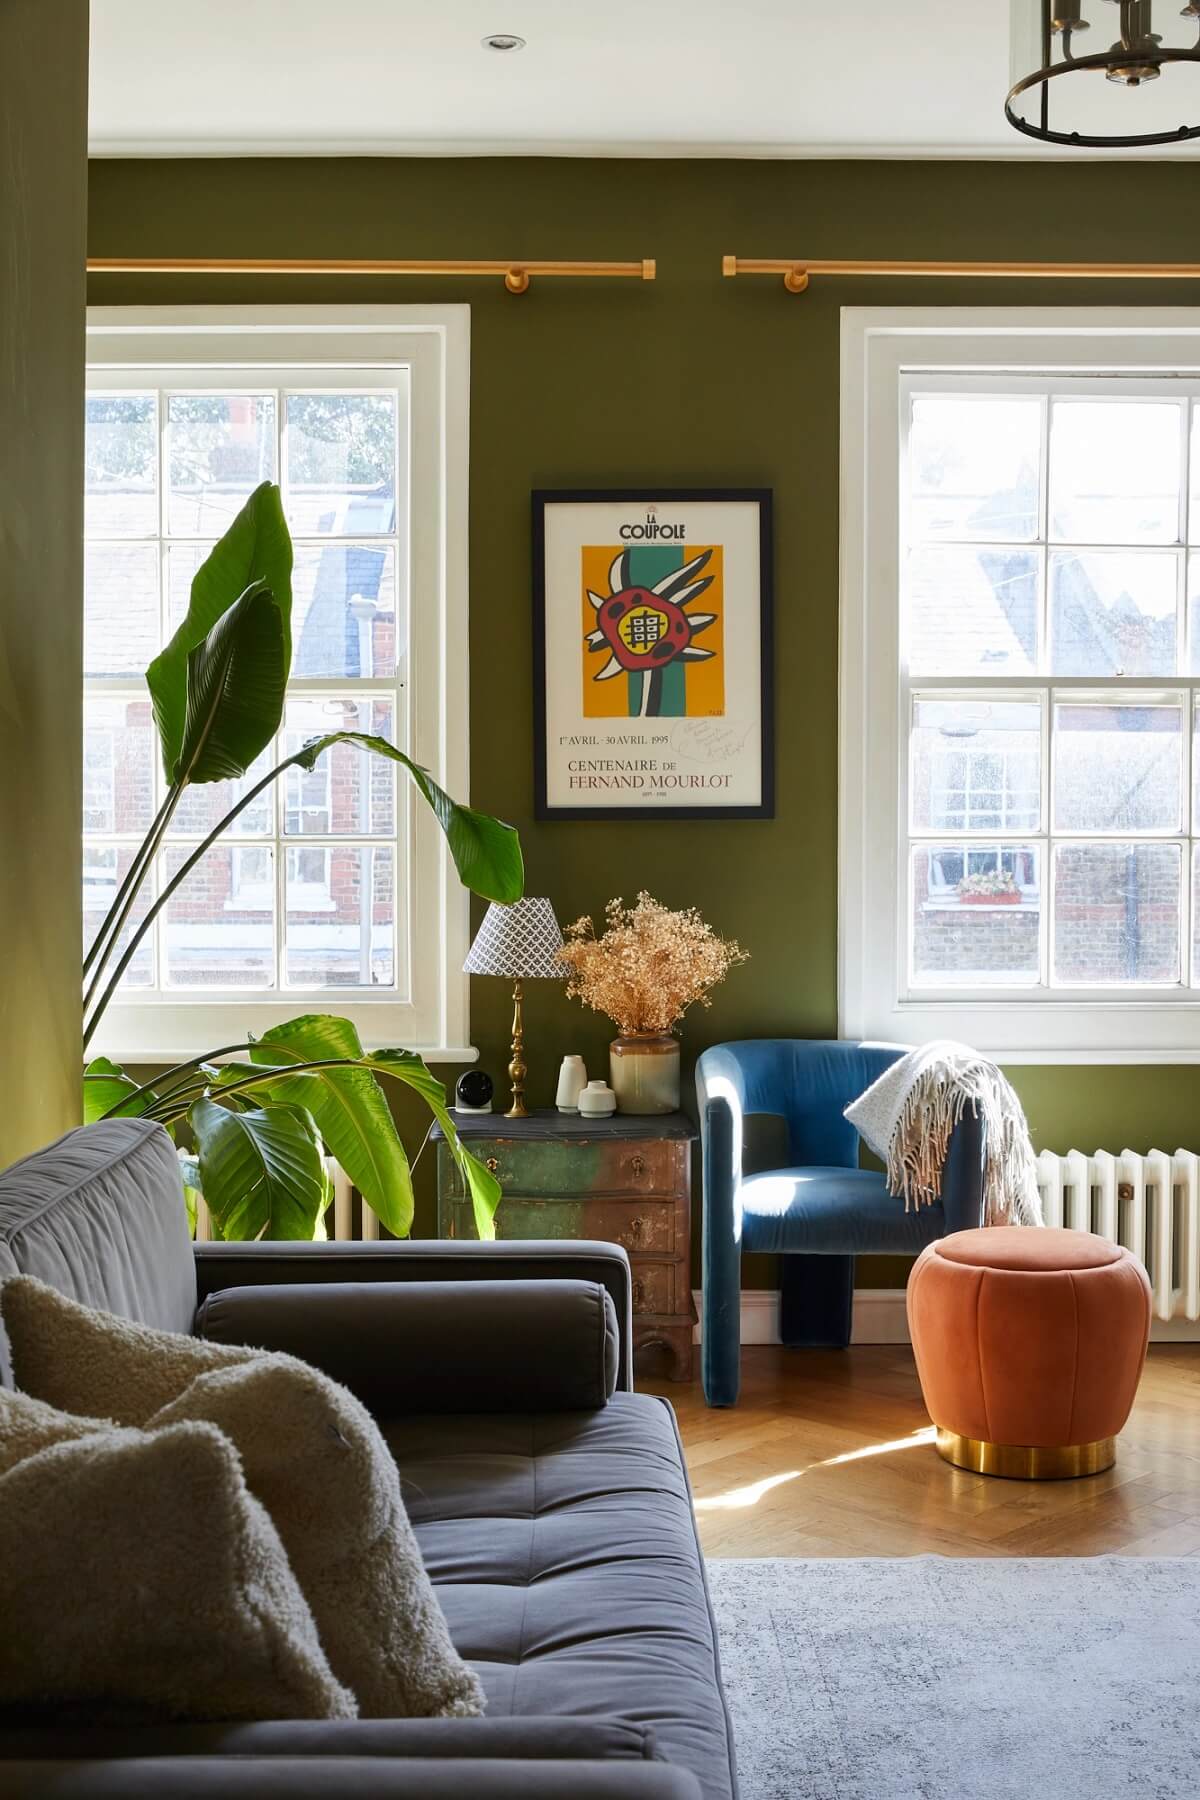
(1150, 1204)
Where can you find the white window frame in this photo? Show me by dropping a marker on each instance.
(433, 344)
(880, 348)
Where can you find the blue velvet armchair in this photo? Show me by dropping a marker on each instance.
(820, 1210)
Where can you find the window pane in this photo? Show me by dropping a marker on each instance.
(343, 610)
(120, 608)
(972, 611)
(975, 765)
(1194, 612)
(341, 914)
(1113, 613)
(120, 465)
(119, 748)
(340, 452)
(976, 913)
(349, 792)
(1116, 913)
(219, 448)
(205, 805)
(219, 926)
(105, 867)
(974, 467)
(182, 562)
(1117, 768)
(1115, 471)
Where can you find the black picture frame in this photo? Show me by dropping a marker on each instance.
(542, 498)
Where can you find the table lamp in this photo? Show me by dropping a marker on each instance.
(520, 942)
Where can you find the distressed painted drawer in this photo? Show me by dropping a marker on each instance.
(653, 1287)
(647, 1225)
(561, 1170)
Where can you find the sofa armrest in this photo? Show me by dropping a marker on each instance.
(427, 1259)
(340, 1778)
(435, 1346)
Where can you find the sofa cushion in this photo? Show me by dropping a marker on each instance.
(93, 1525)
(564, 1553)
(89, 1360)
(313, 1456)
(100, 1216)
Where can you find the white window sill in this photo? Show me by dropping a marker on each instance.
(134, 1059)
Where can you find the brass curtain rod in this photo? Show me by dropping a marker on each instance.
(517, 274)
(797, 273)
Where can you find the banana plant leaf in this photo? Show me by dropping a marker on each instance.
(348, 1107)
(486, 852)
(256, 549)
(261, 1172)
(189, 1168)
(484, 1189)
(236, 681)
(107, 1087)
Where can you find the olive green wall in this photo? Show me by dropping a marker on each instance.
(43, 185)
(691, 379)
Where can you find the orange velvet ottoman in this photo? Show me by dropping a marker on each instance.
(1029, 1345)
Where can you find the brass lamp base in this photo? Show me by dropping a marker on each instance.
(517, 1070)
(1027, 1462)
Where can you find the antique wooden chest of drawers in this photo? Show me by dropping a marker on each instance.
(626, 1179)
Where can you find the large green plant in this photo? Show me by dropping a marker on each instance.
(263, 1112)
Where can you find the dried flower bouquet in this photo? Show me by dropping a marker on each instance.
(648, 965)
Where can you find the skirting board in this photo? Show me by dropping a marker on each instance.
(879, 1318)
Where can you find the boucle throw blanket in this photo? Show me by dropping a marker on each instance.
(907, 1116)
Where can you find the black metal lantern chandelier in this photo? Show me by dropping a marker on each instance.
(1051, 30)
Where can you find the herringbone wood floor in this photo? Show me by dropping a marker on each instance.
(826, 1454)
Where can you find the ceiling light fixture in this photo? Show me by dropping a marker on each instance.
(503, 41)
(1044, 41)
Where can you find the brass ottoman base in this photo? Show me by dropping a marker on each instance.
(1026, 1462)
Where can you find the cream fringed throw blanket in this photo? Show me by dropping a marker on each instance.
(906, 1118)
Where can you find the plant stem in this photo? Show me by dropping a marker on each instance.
(180, 876)
(150, 847)
(133, 878)
(183, 1068)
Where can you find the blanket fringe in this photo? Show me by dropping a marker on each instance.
(935, 1103)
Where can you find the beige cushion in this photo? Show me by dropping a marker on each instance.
(94, 1363)
(313, 1456)
(139, 1577)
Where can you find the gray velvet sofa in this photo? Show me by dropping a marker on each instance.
(550, 1500)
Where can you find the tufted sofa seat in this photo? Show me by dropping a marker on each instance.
(572, 1591)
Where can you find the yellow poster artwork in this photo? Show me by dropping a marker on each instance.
(652, 625)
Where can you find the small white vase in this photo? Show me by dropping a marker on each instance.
(572, 1078)
(597, 1101)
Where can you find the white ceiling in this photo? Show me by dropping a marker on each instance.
(598, 77)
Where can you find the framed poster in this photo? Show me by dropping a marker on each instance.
(652, 653)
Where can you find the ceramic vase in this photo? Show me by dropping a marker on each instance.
(644, 1072)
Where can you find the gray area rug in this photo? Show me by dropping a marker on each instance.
(927, 1678)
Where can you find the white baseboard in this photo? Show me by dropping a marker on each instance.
(880, 1318)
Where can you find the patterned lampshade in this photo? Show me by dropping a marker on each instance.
(521, 941)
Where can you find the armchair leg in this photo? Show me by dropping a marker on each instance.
(816, 1301)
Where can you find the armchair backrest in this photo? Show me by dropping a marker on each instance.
(805, 1081)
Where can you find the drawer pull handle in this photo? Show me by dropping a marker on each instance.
(638, 1165)
(492, 1164)
(637, 1228)
(639, 1296)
